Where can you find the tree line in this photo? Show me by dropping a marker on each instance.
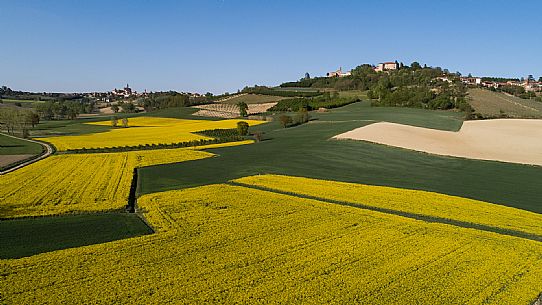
(60, 109)
(325, 100)
(14, 119)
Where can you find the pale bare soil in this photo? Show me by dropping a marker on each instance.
(507, 140)
(8, 159)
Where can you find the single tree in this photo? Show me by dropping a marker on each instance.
(115, 108)
(242, 128)
(125, 122)
(303, 115)
(114, 121)
(243, 107)
(35, 119)
(415, 66)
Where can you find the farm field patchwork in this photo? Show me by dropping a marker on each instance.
(307, 151)
(82, 182)
(232, 244)
(141, 131)
(13, 150)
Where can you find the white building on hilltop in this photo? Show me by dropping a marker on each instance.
(338, 73)
(385, 66)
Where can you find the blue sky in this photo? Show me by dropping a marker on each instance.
(218, 46)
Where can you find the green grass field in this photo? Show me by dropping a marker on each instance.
(307, 151)
(496, 104)
(11, 146)
(253, 99)
(29, 236)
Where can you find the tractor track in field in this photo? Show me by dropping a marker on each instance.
(422, 217)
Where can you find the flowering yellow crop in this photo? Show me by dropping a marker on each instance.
(226, 244)
(82, 182)
(143, 130)
(403, 200)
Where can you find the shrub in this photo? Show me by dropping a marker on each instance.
(242, 128)
(285, 120)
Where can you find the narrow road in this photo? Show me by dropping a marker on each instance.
(48, 151)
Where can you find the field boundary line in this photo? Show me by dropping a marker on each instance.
(426, 218)
(48, 151)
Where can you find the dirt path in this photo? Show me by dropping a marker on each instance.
(507, 140)
(48, 151)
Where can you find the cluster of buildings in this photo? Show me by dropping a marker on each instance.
(126, 92)
(381, 67)
(529, 84)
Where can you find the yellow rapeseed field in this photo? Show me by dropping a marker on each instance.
(222, 244)
(82, 182)
(403, 200)
(143, 130)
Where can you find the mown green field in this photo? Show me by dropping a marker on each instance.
(308, 151)
(29, 236)
(11, 146)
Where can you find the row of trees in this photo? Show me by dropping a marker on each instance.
(161, 100)
(301, 117)
(13, 120)
(326, 100)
